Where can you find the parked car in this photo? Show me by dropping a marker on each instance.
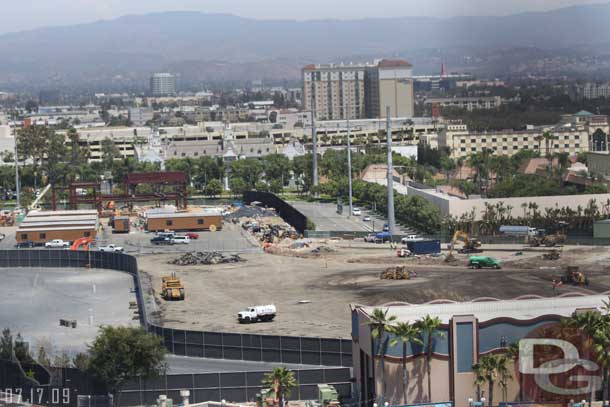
(366, 218)
(370, 238)
(25, 245)
(111, 248)
(478, 262)
(356, 212)
(2, 236)
(192, 235)
(182, 239)
(158, 240)
(57, 244)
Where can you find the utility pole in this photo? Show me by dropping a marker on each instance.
(17, 183)
(349, 162)
(314, 140)
(391, 220)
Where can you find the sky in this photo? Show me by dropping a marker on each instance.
(19, 15)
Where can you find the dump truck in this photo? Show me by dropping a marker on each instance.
(172, 288)
(424, 246)
(548, 240)
(257, 313)
(478, 262)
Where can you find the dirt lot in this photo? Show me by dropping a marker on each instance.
(350, 274)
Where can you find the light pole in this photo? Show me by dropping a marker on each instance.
(391, 220)
(17, 183)
(314, 140)
(349, 163)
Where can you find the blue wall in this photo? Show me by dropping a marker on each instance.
(490, 337)
(465, 345)
(440, 345)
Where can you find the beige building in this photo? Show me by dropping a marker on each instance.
(575, 133)
(358, 91)
(468, 103)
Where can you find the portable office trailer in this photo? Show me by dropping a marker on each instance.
(184, 221)
(120, 224)
(43, 235)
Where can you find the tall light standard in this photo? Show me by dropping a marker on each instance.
(17, 183)
(349, 161)
(314, 140)
(391, 220)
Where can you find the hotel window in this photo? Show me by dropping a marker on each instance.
(577, 145)
(525, 139)
(515, 147)
(577, 137)
(473, 141)
(566, 146)
(484, 140)
(463, 149)
(504, 139)
(462, 141)
(556, 146)
(515, 139)
(493, 140)
(473, 149)
(504, 148)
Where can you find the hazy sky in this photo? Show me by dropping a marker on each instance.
(17, 15)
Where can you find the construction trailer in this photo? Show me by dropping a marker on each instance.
(184, 221)
(120, 224)
(40, 227)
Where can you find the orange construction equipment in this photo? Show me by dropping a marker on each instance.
(83, 241)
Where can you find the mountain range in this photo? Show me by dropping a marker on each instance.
(209, 47)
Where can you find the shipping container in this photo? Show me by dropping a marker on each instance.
(185, 221)
(42, 226)
(424, 246)
(43, 235)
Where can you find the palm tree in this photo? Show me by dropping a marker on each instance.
(405, 333)
(380, 324)
(281, 381)
(491, 369)
(512, 353)
(430, 326)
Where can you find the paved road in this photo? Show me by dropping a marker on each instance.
(326, 218)
(184, 365)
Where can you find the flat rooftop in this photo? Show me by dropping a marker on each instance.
(519, 309)
(207, 212)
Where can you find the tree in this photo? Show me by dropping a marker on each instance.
(213, 188)
(238, 186)
(406, 333)
(281, 381)
(6, 345)
(43, 358)
(380, 324)
(492, 369)
(80, 361)
(110, 153)
(429, 327)
(119, 354)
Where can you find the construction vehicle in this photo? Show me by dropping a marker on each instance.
(552, 255)
(553, 240)
(396, 273)
(478, 262)
(573, 275)
(172, 288)
(471, 245)
(34, 204)
(264, 313)
(83, 241)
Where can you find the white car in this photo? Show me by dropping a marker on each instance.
(182, 239)
(356, 212)
(111, 248)
(57, 244)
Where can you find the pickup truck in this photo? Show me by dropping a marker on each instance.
(111, 248)
(257, 313)
(57, 244)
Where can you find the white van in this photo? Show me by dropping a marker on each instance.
(182, 239)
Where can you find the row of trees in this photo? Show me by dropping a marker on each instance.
(389, 332)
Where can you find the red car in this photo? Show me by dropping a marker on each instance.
(192, 235)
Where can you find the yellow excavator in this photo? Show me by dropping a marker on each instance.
(471, 245)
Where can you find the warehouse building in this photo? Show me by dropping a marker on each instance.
(469, 331)
(207, 219)
(42, 226)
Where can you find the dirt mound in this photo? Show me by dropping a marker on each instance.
(207, 258)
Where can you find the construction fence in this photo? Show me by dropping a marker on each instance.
(286, 211)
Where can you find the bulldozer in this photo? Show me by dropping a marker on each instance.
(396, 273)
(553, 240)
(574, 276)
(172, 288)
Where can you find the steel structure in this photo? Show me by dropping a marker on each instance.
(166, 186)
